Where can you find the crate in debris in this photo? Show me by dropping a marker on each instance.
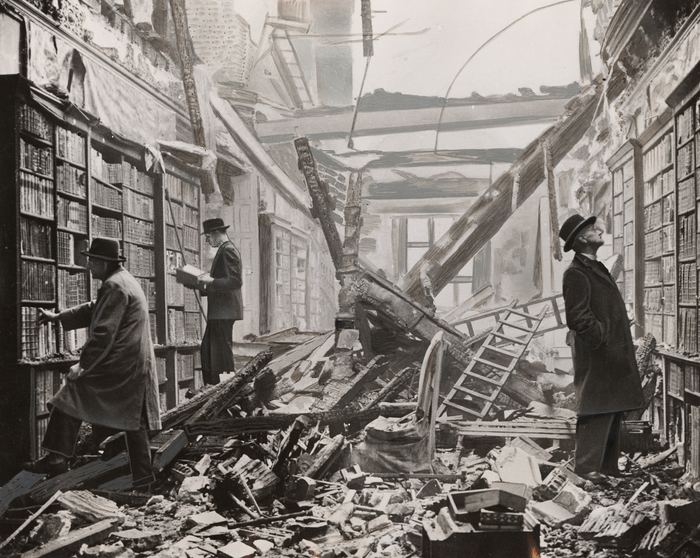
(466, 505)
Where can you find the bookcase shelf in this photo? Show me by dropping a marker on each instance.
(68, 182)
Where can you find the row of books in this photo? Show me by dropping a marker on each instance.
(66, 248)
(652, 272)
(659, 186)
(193, 324)
(174, 291)
(190, 238)
(176, 327)
(35, 238)
(36, 341)
(105, 196)
(74, 340)
(185, 366)
(685, 161)
(652, 216)
(687, 283)
(136, 230)
(148, 286)
(72, 215)
(70, 146)
(660, 299)
(182, 190)
(675, 379)
(658, 157)
(46, 384)
(32, 121)
(685, 126)
(106, 227)
(72, 288)
(122, 173)
(687, 330)
(36, 195)
(71, 180)
(36, 159)
(191, 303)
(138, 205)
(184, 215)
(162, 371)
(686, 236)
(139, 260)
(38, 281)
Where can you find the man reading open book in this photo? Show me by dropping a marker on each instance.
(222, 287)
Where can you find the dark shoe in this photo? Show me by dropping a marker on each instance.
(594, 476)
(616, 474)
(47, 465)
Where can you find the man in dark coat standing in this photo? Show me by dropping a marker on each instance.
(225, 303)
(606, 378)
(114, 386)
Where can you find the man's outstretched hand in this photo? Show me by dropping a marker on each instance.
(45, 316)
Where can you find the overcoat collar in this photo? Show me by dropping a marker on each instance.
(595, 269)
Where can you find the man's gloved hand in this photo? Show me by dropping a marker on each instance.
(45, 316)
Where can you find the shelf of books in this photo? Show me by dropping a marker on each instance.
(686, 231)
(660, 240)
(65, 182)
(181, 215)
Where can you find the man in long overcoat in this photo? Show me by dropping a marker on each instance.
(114, 386)
(606, 378)
(225, 302)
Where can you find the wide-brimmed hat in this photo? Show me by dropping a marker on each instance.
(572, 227)
(213, 225)
(105, 249)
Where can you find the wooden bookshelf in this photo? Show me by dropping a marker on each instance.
(66, 182)
(660, 218)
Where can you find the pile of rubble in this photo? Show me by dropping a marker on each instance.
(271, 462)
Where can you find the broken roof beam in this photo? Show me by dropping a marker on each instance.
(323, 205)
(492, 210)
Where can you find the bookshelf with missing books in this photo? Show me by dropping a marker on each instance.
(65, 182)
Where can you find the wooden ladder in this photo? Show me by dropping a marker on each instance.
(491, 365)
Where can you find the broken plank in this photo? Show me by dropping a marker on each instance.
(18, 486)
(88, 506)
(283, 363)
(325, 457)
(176, 442)
(31, 518)
(94, 472)
(73, 541)
(553, 430)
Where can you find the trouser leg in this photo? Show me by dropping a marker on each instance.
(611, 454)
(139, 447)
(592, 434)
(61, 433)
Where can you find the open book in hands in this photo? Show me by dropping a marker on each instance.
(188, 275)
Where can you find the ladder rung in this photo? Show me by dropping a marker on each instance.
(464, 409)
(511, 339)
(492, 364)
(484, 378)
(525, 315)
(490, 398)
(501, 351)
(518, 326)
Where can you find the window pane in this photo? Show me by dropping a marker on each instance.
(413, 255)
(442, 225)
(417, 231)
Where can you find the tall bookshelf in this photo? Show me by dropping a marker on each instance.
(660, 217)
(66, 181)
(686, 231)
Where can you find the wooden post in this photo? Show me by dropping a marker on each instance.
(182, 38)
(322, 209)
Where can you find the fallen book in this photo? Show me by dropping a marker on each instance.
(189, 274)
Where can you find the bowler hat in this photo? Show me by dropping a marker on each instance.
(572, 227)
(104, 249)
(213, 225)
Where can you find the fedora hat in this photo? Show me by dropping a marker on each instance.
(104, 249)
(213, 225)
(572, 227)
